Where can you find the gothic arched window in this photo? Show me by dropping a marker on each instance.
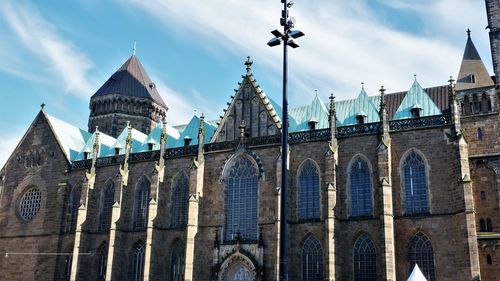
(479, 134)
(177, 262)
(489, 226)
(106, 206)
(102, 258)
(360, 188)
(240, 199)
(482, 225)
(138, 263)
(72, 209)
(415, 184)
(482, 195)
(141, 203)
(179, 204)
(364, 258)
(421, 253)
(312, 260)
(309, 191)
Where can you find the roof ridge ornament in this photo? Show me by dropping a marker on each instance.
(135, 48)
(248, 64)
(468, 32)
(42, 107)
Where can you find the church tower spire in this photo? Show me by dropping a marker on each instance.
(473, 73)
(128, 95)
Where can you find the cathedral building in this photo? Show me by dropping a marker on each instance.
(377, 185)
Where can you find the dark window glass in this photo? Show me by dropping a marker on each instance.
(106, 206)
(142, 204)
(138, 263)
(102, 258)
(180, 194)
(240, 200)
(482, 225)
(72, 209)
(361, 189)
(365, 260)
(312, 260)
(309, 191)
(488, 259)
(479, 134)
(489, 226)
(177, 262)
(415, 184)
(421, 253)
(67, 267)
(482, 195)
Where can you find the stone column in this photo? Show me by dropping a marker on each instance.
(195, 195)
(331, 193)
(387, 214)
(82, 210)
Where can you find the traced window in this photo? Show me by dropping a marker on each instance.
(30, 203)
(360, 188)
(415, 184)
(142, 203)
(312, 260)
(240, 200)
(138, 262)
(365, 260)
(309, 191)
(106, 206)
(102, 258)
(179, 204)
(421, 253)
(177, 262)
(72, 209)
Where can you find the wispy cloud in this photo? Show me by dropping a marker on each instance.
(345, 41)
(39, 39)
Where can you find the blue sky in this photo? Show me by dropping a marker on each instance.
(60, 52)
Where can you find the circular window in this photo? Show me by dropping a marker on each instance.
(30, 203)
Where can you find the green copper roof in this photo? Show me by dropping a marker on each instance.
(138, 139)
(362, 105)
(173, 136)
(191, 131)
(416, 97)
(106, 142)
(292, 123)
(316, 111)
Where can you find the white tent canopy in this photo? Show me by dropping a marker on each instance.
(416, 275)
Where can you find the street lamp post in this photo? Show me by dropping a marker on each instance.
(288, 39)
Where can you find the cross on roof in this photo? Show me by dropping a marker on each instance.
(468, 32)
(248, 64)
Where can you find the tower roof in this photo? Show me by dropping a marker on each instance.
(473, 73)
(131, 80)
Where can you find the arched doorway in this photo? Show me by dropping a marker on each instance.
(237, 267)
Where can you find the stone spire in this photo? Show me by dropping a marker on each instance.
(332, 118)
(384, 117)
(473, 73)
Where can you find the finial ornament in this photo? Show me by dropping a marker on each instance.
(468, 32)
(363, 85)
(248, 64)
(415, 77)
(135, 48)
(332, 104)
(42, 106)
(382, 97)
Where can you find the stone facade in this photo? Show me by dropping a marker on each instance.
(64, 239)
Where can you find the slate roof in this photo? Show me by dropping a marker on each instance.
(473, 73)
(131, 80)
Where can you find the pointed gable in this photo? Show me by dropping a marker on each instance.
(251, 105)
(191, 131)
(473, 73)
(138, 139)
(105, 144)
(316, 111)
(416, 98)
(361, 106)
(173, 136)
(131, 80)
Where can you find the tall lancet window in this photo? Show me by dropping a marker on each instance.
(309, 191)
(360, 188)
(421, 253)
(138, 262)
(415, 184)
(312, 260)
(102, 258)
(179, 204)
(106, 206)
(240, 199)
(177, 262)
(365, 260)
(72, 209)
(141, 204)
